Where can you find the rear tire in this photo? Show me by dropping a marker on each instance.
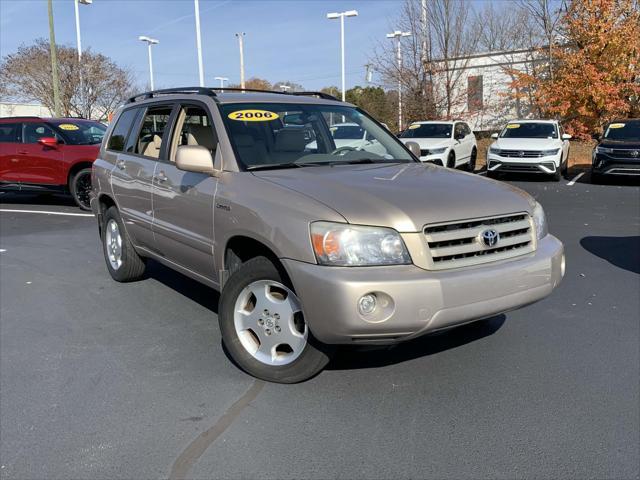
(262, 326)
(123, 262)
(80, 187)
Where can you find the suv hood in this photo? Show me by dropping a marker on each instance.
(403, 196)
(426, 143)
(527, 143)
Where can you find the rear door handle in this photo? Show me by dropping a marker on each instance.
(121, 164)
(22, 152)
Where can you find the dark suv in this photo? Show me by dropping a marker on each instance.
(49, 155)
(618, 151)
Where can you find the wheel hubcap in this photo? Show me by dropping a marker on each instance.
(269, 323)
(113, 244)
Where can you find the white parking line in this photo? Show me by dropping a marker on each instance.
(44, 212)
(575, 179)
(484, 172)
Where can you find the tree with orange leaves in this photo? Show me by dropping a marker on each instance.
(597, 73)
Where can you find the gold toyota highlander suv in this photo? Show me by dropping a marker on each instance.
(311, 242)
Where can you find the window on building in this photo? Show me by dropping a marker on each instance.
(475, 93)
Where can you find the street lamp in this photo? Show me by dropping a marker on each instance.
(79, 43)
(222, 80)
(149, 41)
(398, 35)
(241, 45)
(284, 88)
(341, 15)
(76, 2)
(196, 5)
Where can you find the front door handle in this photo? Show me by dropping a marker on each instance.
(121, 164)
(22, 152)
(161, 177)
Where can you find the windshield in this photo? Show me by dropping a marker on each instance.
(80, 132)
(623, 131)
(529, 130)
(287, 135)
(427, 130)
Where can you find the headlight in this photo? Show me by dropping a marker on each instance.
(355, 245)
(433, 151)
(550, 152)
(540, 221)
(495, 151)
(604, 150)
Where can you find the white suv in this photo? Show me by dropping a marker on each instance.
(536, 146)
(447, 143)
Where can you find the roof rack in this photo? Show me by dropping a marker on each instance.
(168, 91)
(211, 92)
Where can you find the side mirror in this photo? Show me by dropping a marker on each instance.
(566, 136)
(459, 136)
(50, 142)
(494, 135)
(194, 158)
(413, 148)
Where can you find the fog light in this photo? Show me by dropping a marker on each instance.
(367, 304)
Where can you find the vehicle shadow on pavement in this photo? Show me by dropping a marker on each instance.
(185, 286)
(623, 252)
(350, 358)
(24, 198)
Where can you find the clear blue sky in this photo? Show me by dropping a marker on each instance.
(285, 40)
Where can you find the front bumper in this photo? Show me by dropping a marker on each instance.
(606, 165)
(547, 165)
(420, 301)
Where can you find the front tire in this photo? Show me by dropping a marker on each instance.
(451, 160)
(123, 262)
(263, 327)
(471, 166)
(80, 187)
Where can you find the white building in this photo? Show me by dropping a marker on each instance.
(8, 109)
(482, 93)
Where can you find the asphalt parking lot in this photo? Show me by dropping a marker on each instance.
(107, 380)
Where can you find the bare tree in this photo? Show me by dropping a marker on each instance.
(26, 75)
(433, 57)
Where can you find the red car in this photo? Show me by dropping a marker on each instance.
(49, 155)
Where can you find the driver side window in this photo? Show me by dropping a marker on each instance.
(35, 131)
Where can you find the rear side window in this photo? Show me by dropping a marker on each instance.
(121, 130)
(153, 129)
(10, 132)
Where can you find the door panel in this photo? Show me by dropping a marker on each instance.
(183, 217)
(36, 163)
(132, 183)
(10, 138)
(183, 201)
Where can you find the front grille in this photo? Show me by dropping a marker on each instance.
(521, 153)
(460, 244)
(626, 153)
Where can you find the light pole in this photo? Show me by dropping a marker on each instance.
(196, 5)
(285, 88)
(222, 80)
(54, 63)
(79, 43)
(398, 35)
(341, 15)
(149, 41)
(241, 45)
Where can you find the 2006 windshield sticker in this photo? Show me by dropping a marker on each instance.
(68, 126)
(253, 116)
(513, 125)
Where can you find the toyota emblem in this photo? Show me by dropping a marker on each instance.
(635, 153)
(490, 237)
(521, 153)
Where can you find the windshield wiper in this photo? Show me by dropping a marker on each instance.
(278, 166)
